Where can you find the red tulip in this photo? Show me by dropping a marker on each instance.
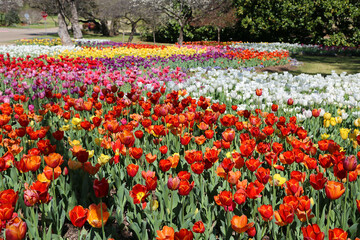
(266, 212)
(184, 234)
(132, 169)
(337, 234)
(198, 227)
(285, 215)
(312, 232)
(78, 216)
(318, 181)
(15, 229)
(101, 188)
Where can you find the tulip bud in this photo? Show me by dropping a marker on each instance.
(350, 163)
(290, 101)
(258, 92)
(173, 183)
(31, 197)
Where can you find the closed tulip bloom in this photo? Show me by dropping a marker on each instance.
(350, 163)
(94, 215)
(318, 181)
(31, 197)
(132, 169)
(184, 234)
(358, 205)
(240, 224)
(337, 234)
(15, 229)
(9, 196)
(225, 198)
(198, 227)
(334, 190)
(6, 211)
(285, 215)
(266, 212)
(78, 216)
(312, 232)
(167, 233)
(53, 160)
(173, 183)
(185, 187)
(101, 188)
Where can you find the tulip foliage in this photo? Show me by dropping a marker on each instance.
(114, 153)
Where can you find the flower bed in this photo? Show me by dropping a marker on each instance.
(107, 150)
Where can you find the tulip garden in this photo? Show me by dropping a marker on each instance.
(107, 140)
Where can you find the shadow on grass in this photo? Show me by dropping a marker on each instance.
(325, 64)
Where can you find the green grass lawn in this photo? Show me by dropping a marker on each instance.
(49, 23)
(325, 64)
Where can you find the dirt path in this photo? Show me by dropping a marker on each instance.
(8, 35)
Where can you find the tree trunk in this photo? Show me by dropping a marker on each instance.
(74, 19)
(181, 35)
(218, 33)
(63, 31)
(104, 28)
(154, 35)
(133, 31)
(114, 31)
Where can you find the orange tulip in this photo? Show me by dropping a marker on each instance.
(337, 234)
(334, 190)
(167, 233)
(15, 229)
(94, 217)
(266, 212)
(240, 224)
(53, 160)
(358, 205)
(150, 158)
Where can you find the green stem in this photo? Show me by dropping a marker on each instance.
(182, 211)
(288, 231)
(171, 205)
(345, 204)
(2, 183)
(79, 234)
(102, 220)
(318, 208)
(328, 218)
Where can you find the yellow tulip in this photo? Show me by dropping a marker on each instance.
(74, 143)
(326, 123)
(357, 122)
(327, 116)
(154, 205)
(338, 120)
(98, 141)
(103, 159)
(91, 153)
(344, 133)
(332, 121)
(325, 136)
(76, 121)
(279, 180)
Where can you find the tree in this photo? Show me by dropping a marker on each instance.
(185, 11)
(62, 30)
(74, 19)
(305, 21)
(9, 9)
(222, 17)
(65, 9)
